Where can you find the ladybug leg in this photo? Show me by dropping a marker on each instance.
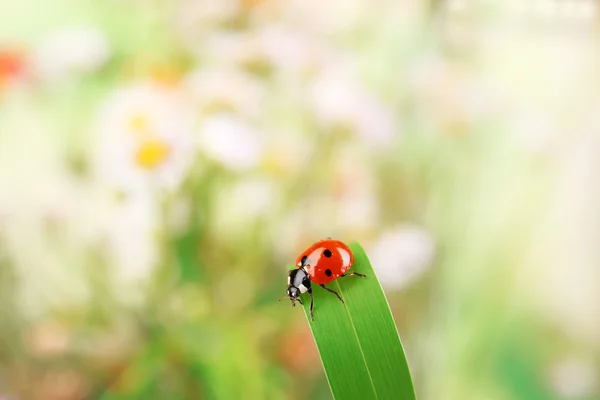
(333, 291)
(354, 273)
(300, 301)
(312, 316)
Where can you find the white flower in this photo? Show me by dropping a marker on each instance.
(211, 11)
(202, 14)
(374, 121)
(535, 134)
(231, 48)
(225, 88)
(360, 211)
(333, 17)
(37, 204)
(574, 378)
(401, 254)
(285, 49)
(39, 231)
(130, 229)
(334, 93)
(338, 99)
(196, 21)
(231, 142)
(77, 49)
(256, 196)
(240, 205)
(288, 49)
(125, 229)
(144, 134)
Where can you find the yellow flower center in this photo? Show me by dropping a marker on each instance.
(165, 75)
(152, 153)
(139, 123)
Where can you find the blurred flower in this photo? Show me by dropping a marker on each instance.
(68, 51)
(131, 232)
(180, 214)
(359, 211)
(333, 17)
(125, 228)
(207, 13)
(231, 48)
(40, 232)
(144, 134)
(241, 204)
(348, 206)
(574, 378)
(449, 100)
(356, 202)
(226, 89)
(12, 65)
(272, 46)
(48, 339)
(534, 133)
(298, 352)
(37, 210)
(288, 153)
(339, 100)
(61, 384)
(288, 49)
(144, 141)
(203, 19)
(230, 141)
(287, 238)
(401, 254)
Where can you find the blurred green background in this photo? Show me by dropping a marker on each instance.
(163, 162)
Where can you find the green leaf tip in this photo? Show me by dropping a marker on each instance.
(357, 340)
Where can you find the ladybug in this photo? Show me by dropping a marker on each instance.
(321, 263)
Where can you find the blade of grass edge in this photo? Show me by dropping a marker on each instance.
(358, 341)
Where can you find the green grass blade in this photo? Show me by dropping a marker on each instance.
(358, 341)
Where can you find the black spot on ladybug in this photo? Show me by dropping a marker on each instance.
(328, 271)
(303, 260)
(327, 253)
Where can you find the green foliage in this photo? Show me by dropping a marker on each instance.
(358, 341)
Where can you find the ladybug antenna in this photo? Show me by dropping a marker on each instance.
(284, 297)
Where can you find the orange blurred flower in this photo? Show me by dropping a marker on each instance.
(12, 65)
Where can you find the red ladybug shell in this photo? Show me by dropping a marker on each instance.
(326, 260)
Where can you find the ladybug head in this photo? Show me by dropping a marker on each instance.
(298, 283)
(293, 292)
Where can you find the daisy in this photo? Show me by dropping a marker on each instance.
(144, 136)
